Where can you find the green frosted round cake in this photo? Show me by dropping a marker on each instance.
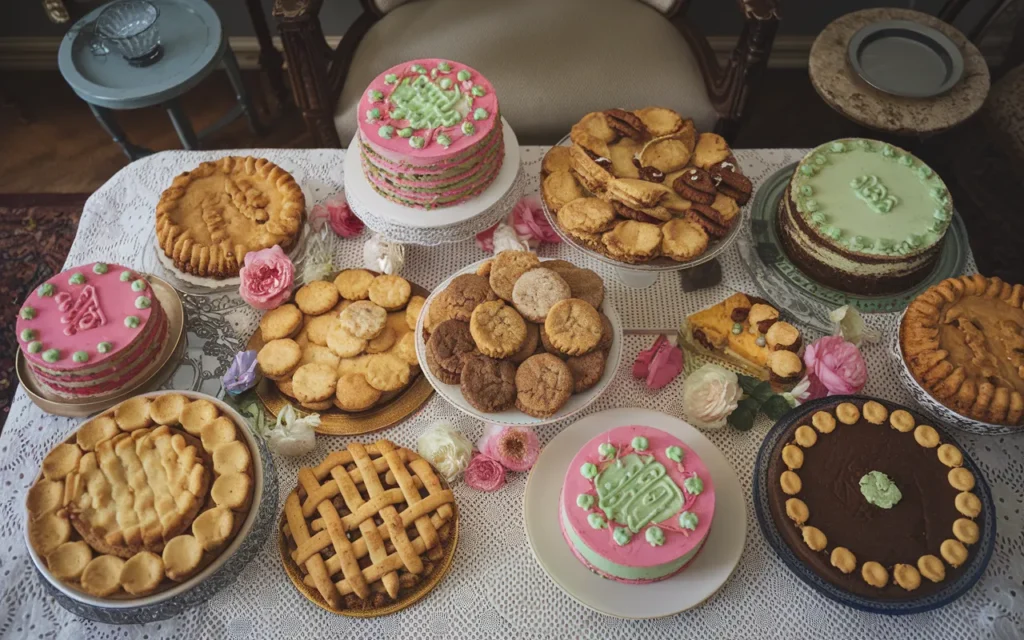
(864, 216)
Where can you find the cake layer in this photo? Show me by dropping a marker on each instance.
(429, 195)
(445, 170)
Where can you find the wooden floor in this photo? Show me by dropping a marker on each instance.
(57, 147)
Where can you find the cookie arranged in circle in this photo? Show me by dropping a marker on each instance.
(364, 319)
(506, 269)
(573, 326)
(489, 384)
(583, 284)
(314, 382)
(282, 322)
(450, 345)
(464, 294)
(386, 372)
(390, 292)
(536, 291)
(683, 240)
(354, 393)
(316, 297)
(543, 385)
(278, 358)
(354, 284)
(497, 329)
(586, 369)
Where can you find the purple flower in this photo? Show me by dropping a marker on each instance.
(243, 373)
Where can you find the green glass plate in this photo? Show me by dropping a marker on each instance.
(786, 286)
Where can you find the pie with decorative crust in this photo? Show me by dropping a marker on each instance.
(213, 215)
(963, 341)
(368, 524)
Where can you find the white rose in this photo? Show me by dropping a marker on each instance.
(446, 448)
(710, 394)
(293, 435)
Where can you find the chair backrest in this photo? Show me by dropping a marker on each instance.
(382, 7)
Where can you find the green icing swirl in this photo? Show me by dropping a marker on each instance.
(924, 172)
(405, 132)
(807, 169)
(833, 232)
(80, 356)
(444, 67)
(688, 520)
(138, 285)
(588, 470)
(104, 347)
(639, 443)
(76, 278)
(585, 501)
(463, 75)
(372, 115)
(444, 140)
(621, 536)
(131, 322)
(654, 536)
(597, 521)
(693, 485)
(606, 450)
(819, 218)
(478, 91)
(390, 78)
(386, 131)
(374, 95)
(637, 491)
(445, 83)
(99, 268)
(28, 334)
(888, 151)
(35, 346)
(125, 276)
(820, 160)
(51, 355)
(870, 189)
(837, 147)
(811, 205)
(480, 113)
(417, 142)
(674, 453)
(424, 103)
(807, 190)
(878, 489)
(906, 161)
(468, 128)
(45, 290)
(27, 313)
(142, 302)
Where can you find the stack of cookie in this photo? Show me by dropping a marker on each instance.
(641, 185)
(347, 344)
(519, 333)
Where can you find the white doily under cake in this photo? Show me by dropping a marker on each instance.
(442, 225)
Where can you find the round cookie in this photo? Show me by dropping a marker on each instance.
(344, 344)
(441, 373)
(390, 292)
(489, 384)
(364, 319)
(182, 555)
(450, 345)
(586, 369)
(573, 326)
(506, 269)
(166, 409)
(316, 297)
(544, 384)
(278, 358)
(354, 284)
(384, 340)
(282, 322)
(102, 576)
(318, 327)
(607, 333)
(530, 344)
(412, 310)
(386, 372)
(583, 283)
(354, 393)
(405, 348)
(321, 355)
(133, 414)
(314, 382)
(464, 294)
(497, 329)
(536, 291)
(683, 240)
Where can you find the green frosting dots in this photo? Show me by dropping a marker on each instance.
(639, 443)
(819, 218)
(837, 147)
(405, 132)
(417, 142)
(138, 285)
(390, 78)
(820, 160)
(444, 67)
(884, 244)
(913, 240)
(463, 75)
(417, 68)
(35, 346)
(807, 190)
(131, 322)
(688, 520)
(807, 169)
(597, 521)
(51, 355)
(45, 290)
(374, 95)
(104, 347)
(674, 453)
(621, 536)
(924, 172)
(27, 313)
(125, 276)
(888, 151)
(444, 140)
(865, 144)
(906, 161)
(80, 356)
(654, 536)
(693, 485)
(832, 232)
(445, 83)
(468, 128)
(480, 113)
(373, 115)
(588, 470)
(386, 131)
(878, 489)
(142, 302)
(585, 501)
(28, 334)
(478, 91)
(100, 268)
(606, 450)
(811, 205)
(76, 278)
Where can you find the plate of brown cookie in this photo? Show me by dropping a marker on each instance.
(344, 348)
(644, 190)
(514, 340)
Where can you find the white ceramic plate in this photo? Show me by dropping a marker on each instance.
(704, 576)
(513, 417)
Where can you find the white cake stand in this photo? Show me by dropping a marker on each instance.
(431, 227)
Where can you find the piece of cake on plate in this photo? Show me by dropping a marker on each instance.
(430, 133)
(637, 505)
(91, 330)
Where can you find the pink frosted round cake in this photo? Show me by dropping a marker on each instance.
(90, 330)
(430, 133)
(637, 505)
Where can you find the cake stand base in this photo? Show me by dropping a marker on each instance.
(636, 279)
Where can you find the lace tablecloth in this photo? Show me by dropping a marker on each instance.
(495, 588)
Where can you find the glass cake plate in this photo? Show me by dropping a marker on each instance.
(787, 287)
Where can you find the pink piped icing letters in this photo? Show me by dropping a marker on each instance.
(85, 314)
(63, 300)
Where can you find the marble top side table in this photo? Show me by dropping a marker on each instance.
(842, 89)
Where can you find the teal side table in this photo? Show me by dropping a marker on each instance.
(194, 45)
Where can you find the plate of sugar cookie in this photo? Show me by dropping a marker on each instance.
(515, 340)
(344, 348)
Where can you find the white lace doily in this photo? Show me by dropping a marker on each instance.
(495, 588)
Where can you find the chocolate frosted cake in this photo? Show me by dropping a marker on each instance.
(864, 217)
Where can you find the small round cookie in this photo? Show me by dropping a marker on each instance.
(489, 384)
(530, 344)
(588, 215)
(68, 561)
(285, 387)
(536, 291)
(463, 294)
(584, 284)
(556, 159)
(354, 284)
(405, 348)
(231, 490)
(506, 269)
(133, 414)
(586, 369)
(440, 372)
(683, 240)
(321, 355)
(497, 329)
(314, 382)
(182, 555)
(544, 384)
(220, 431)
(354, 393)
(353, 365)
(484, 269)
(278, 358)
(166, 409)
(343, 344)
(47, 532)
(413, 309)
(573, 326)
(390, 292)
(102, 576)
(316, 297)
(384, 341)
(46, 496)
(318, 327)
(545, 343)
(396, 322)
(847, 413)
(450, 345)
(142, 573)
(824, 422)
(364, 319)
(282, 322)
(386, 372)
(875, 412)
(197, 414)
(901, 420)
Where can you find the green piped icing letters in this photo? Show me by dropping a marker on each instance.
(45, 290)
(386, 131)
(51, 355)
(878, 489)
(104, 347)
(597, 521)
(654, 536)
(585, 501)
(639, 443)
(27, 313)
(621, 536)
(637, 492)
(870, 189)
(80, 356)
(674, 453)
(35, 346)
(588, 470)
(693, 485)
(99, 268)
(688, 520)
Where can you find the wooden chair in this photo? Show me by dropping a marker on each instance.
(551, 61)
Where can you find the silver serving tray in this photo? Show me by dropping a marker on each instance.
(905, 58)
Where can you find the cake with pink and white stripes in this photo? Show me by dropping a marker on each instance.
(91, 330)
(430, 133)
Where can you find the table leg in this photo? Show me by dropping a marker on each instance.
(241, 95)
(182, 125)
(109, 124)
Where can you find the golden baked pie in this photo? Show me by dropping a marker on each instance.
(368, 524)
(963, 341)
(213, 215)
(151, 489)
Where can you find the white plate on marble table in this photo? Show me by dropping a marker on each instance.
(700, 580)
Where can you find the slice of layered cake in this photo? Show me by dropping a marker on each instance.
(430, 133)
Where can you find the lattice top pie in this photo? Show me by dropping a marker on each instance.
(153, 488)
(368, 523)
(963, 340)
(210, 217)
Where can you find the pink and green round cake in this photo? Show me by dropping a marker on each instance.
(91, 330)
(430, 133)
(636, 505)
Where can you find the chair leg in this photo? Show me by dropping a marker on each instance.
(271, 60)
(181, 125)
(241, 95)
(304, 49)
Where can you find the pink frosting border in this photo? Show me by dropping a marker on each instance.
(638, 552)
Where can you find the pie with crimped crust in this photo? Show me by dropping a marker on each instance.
(368, 524)
(963, 341)
(213, 215)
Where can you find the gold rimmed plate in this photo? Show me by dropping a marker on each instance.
(161, 368)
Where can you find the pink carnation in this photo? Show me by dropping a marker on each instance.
(530, 223)
(485, 474)
(835, 364)
(516, 448)
(267, 276)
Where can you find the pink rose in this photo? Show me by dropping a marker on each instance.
(516, 448)
(530, 223)
(267, 277)
(338, 215)
(836, 364)
(485, 474)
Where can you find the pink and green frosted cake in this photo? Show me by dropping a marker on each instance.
(91, 330)
(637, 505)
(430, 133)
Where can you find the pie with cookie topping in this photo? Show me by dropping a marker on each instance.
(963, 341)
(213, 215)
